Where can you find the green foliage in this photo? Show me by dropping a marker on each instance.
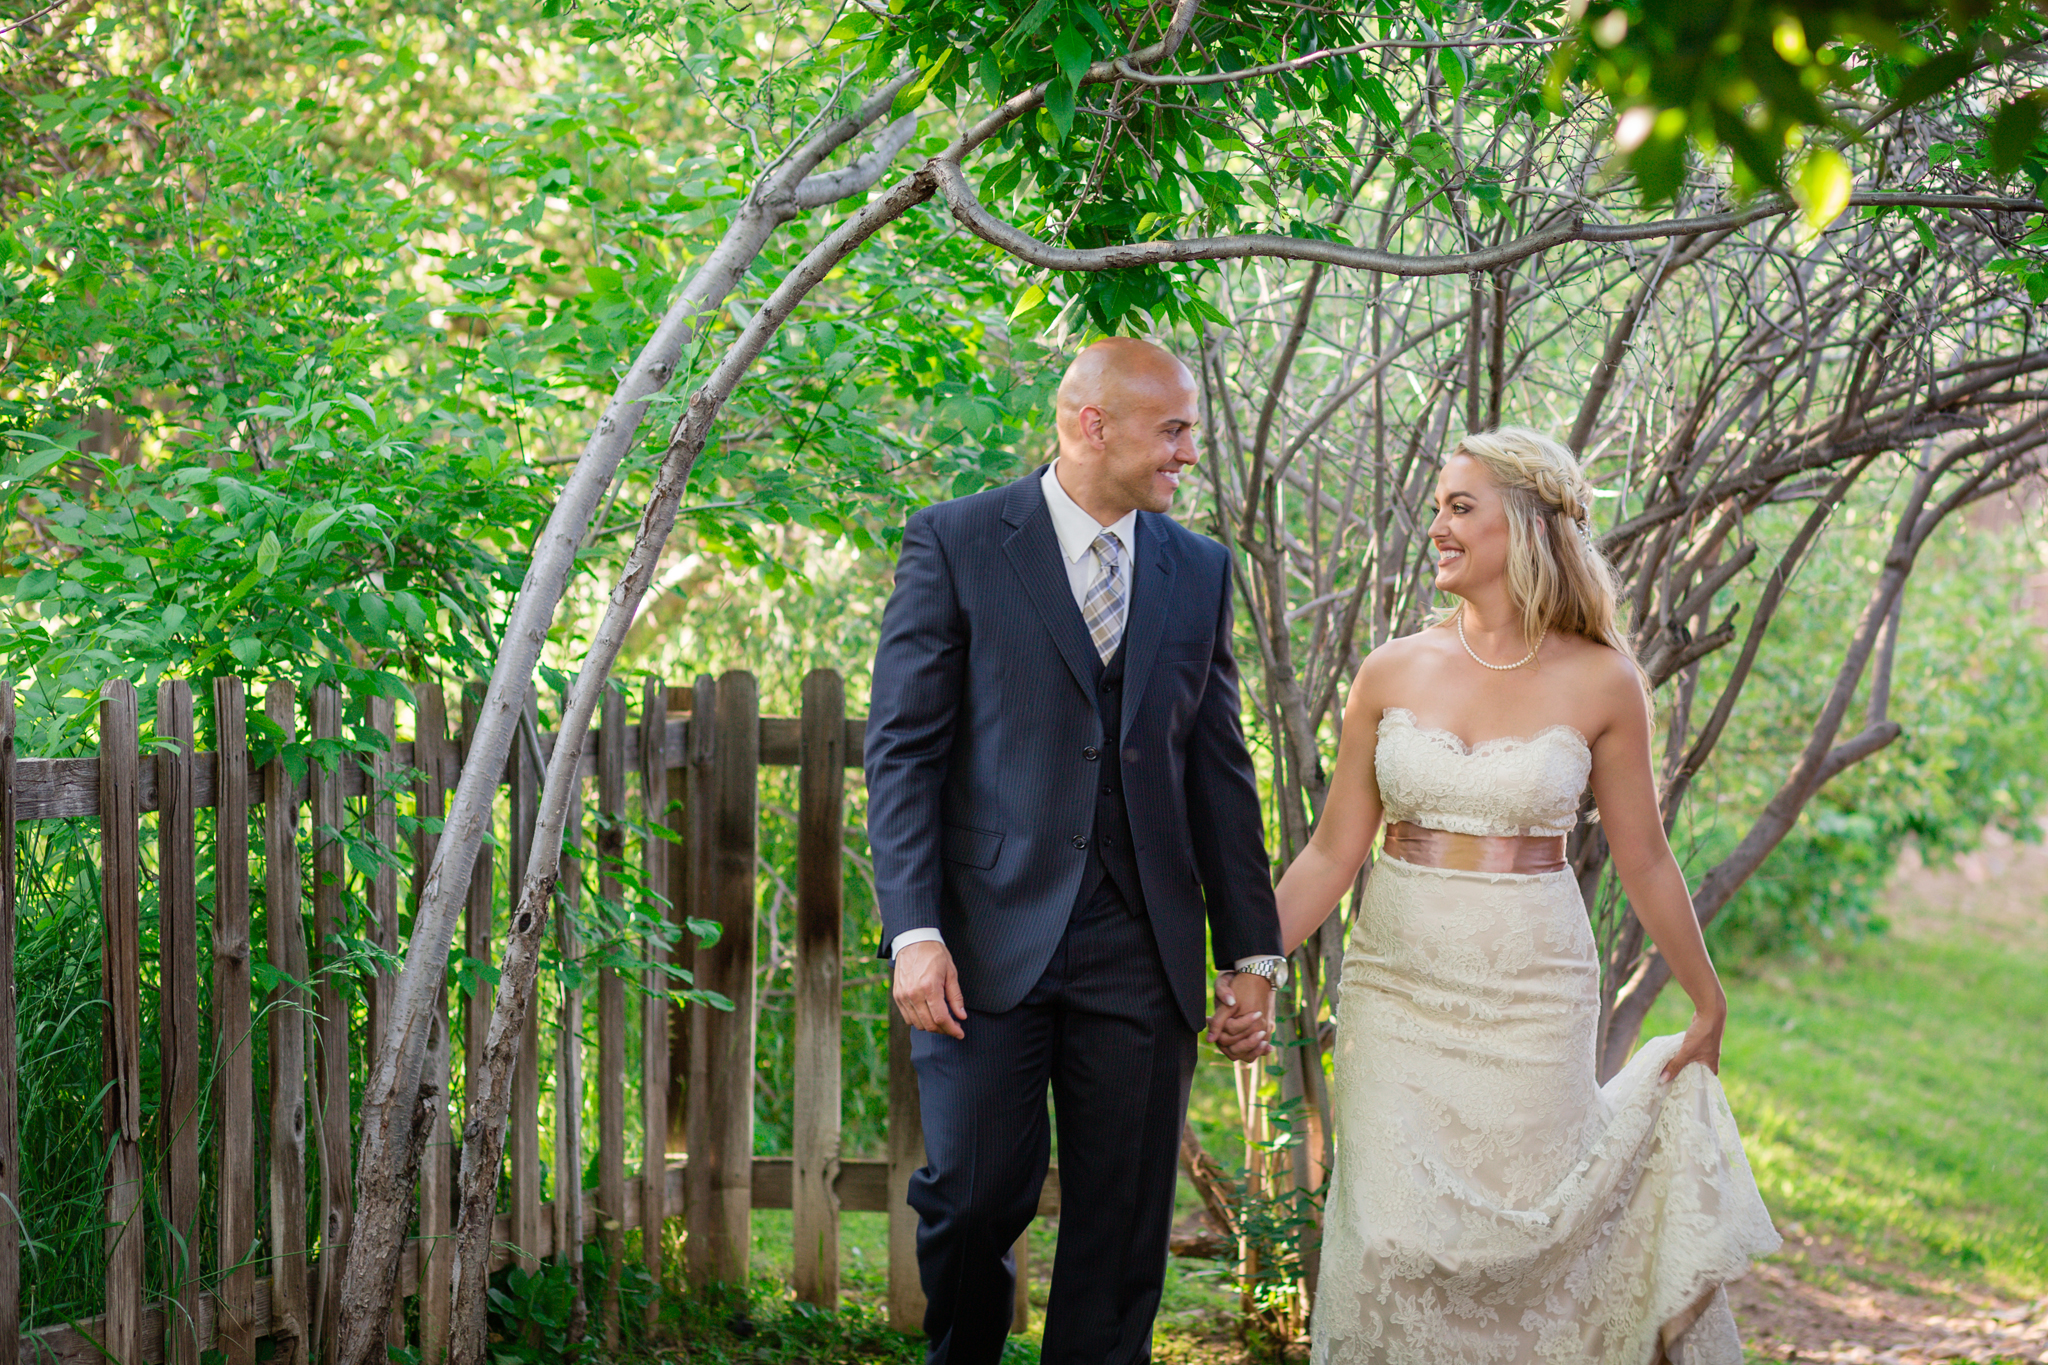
(732, 1324)
(1969, 686)
(1758, 80)
(216, 457)
(530, 1311)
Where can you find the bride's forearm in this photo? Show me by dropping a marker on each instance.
(1664, 905)
(1309, 891)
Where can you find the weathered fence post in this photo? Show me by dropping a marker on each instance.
(10, 1122)
(438, 763)
(569, 1072)
(654, 861)
(121, 989)
(906, 1154)
(178, 1014)
(477, 914)
(727, 967)
(684, 809)
(332, 1131)
(611, 1008)
(698, 1237)
(821, 825)
(523, 1147)
(234, 1318)
(382, 805)
(286, 1013)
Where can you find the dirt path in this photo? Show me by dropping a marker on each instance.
(1815, 1301)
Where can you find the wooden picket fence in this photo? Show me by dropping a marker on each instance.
(694, 754)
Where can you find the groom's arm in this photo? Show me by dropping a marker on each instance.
(1224, 819)
(919, 667)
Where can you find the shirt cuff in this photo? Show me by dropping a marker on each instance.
(910, 936)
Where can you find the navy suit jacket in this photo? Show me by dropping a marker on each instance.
(981, 787)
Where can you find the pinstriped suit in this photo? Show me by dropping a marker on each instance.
(1002, 755)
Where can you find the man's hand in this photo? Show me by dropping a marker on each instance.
(927, 989)
(1243, 1020)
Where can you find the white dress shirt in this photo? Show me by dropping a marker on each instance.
(1076, 529)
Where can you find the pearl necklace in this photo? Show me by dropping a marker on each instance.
(1498, 668)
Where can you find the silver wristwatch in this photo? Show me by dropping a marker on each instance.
(1274, 969)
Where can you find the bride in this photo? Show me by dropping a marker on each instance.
(1492, 1203)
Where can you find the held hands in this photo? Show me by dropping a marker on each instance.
(1702, 1043)
(927, 989)
(1244, 1016)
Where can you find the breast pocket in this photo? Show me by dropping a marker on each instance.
(969, 846)
(1184, 651)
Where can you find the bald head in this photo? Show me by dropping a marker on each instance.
(1111, 368)
(1126, 418)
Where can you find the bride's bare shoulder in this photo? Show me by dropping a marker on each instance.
(1606, 680)
(1379, 676)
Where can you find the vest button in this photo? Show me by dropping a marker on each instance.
(1079, 841)
(1091, 753)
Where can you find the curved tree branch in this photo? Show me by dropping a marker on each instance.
(973, 215)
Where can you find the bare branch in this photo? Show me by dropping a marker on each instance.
(829, 187)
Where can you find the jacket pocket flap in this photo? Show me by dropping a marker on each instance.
(974, 847)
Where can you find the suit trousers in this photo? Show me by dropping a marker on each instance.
(1102, 1028)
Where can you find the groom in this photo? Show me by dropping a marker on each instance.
(1061, 810)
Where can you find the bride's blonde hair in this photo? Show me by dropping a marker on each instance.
(1557, 578)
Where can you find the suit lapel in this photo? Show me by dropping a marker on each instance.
(1153, 569)
(1033, 550)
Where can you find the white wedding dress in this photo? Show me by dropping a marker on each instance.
(1492, 1204)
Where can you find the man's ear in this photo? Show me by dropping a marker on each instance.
(1093, 419)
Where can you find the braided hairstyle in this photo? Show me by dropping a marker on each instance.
(1557, 578)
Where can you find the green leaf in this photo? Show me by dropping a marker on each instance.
(2013, 130)
(1936, 74)
(267, 554)
(1822, 187)
(1451, 62)
(247, 650)
(604, 281)
(1381, 103)
(1027, 27)
(1059, 107)
(1071, 51)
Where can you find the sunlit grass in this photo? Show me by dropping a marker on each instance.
(1898, 1096)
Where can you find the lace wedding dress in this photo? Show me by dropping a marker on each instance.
(1492, 1204)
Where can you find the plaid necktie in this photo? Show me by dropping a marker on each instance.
(1103, 609)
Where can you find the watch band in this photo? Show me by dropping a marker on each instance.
(1274, 969)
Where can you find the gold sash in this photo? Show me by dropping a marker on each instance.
(1526, 854)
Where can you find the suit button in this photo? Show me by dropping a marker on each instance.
(1079, 841)
(1091, 753)
(1109, 791)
